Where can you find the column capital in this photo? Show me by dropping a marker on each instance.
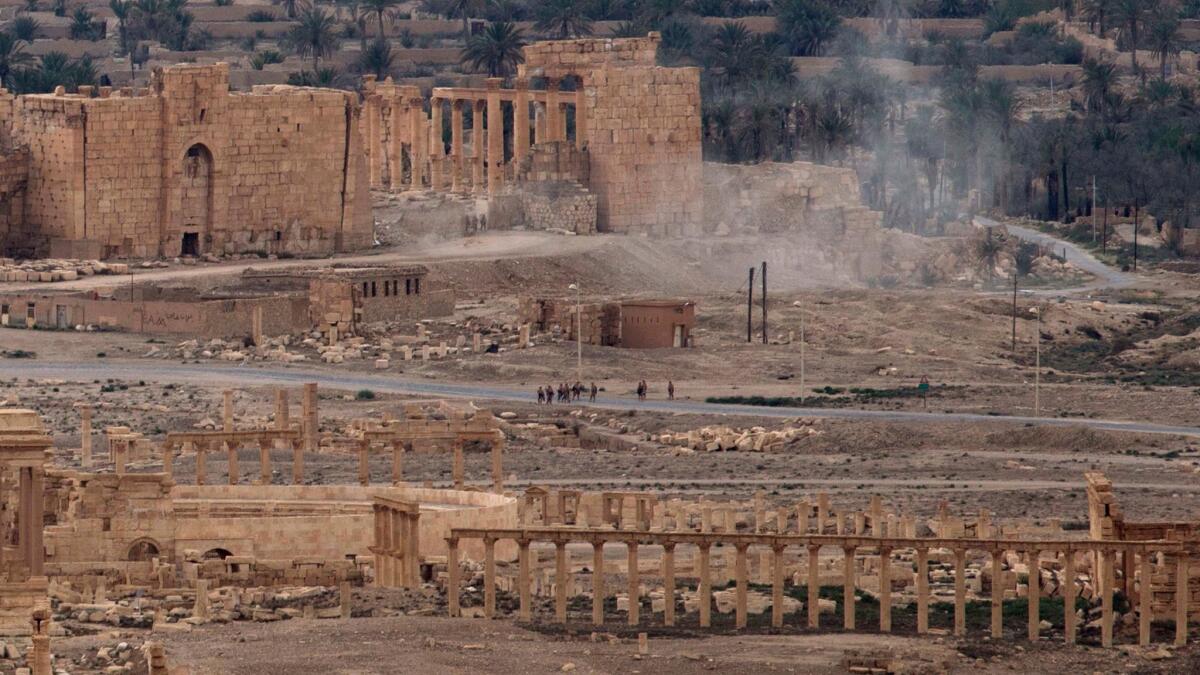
(522, 83)
(492, 83)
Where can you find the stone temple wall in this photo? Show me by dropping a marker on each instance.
(191, 167)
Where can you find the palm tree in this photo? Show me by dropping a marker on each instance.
(313, 36)
(1001, 106)
(1130, 14)
(1165, 40)
(26, 28)
(1099, 77)
(987, 252)
(497, 49)
(292, 7)
(12, 54)
(464, 9)
(1095, 11)
(377, 59)
(808, 26)
(379, 8)
(122, 10)
(564, 18)
(82, 27)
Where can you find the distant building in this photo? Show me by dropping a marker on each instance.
(654, 324)
(634, 324)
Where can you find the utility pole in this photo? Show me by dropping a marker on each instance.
(800, 305)
(1094, 204)
(578, 334)
(1014, 314)
(1037, 367)
(750, 308)
(764, 300)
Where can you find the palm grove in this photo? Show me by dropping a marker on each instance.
(920, 150)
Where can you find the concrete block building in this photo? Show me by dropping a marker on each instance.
(185, 168)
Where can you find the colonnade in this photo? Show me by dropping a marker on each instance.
(397, 543)
(1104, 552)
(401, 440)
(204, 442)
(537, 116)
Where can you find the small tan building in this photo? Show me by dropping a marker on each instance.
(653, 324)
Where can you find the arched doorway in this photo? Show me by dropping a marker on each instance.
(143, 550)
(196, 198)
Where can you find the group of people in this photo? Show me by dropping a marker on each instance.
(643, 389)
(565, 393)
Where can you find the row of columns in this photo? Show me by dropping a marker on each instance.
(458, 471)
(1105, 558)
(397, 545)
(410, 130)
(231, 448)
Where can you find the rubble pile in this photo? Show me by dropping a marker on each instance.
(56, 269)
(732, 439)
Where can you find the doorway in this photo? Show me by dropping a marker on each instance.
(196, 198)
(190, 245)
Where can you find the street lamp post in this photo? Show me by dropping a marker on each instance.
(578, 334)
(800, 305)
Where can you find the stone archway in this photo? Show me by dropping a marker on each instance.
(195, 199)
(144, 550)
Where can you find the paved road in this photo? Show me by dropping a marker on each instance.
(1106, 277)
(216, 374)
(942, 485)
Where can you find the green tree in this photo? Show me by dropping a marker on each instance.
(26, 28)
(380, 8)
(123, 11)
(465, 9)
(1099, 79)
(378, 59)
(1130, 15)
(562, 18)
(808, 26)
(496, 50)
(12, 55)
(293, 7)
(1165, 39)
(83, 27)
(313, 36)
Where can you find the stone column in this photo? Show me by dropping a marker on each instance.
(525, 612)
(885, 587)
(437, 149)
(457, 466)
(814, 585)
(85, 435)
(802, 510)
(598, 582)
(413, 547)
(848, 577)
(561, 581)
(539, 121)
(397, 462)
(777, 586)
(200, 607)
(378, 526)
(960, 591)
(1181, 599)
(922, 591)
(232, 448)
(477, 148)
(310, 413)
(168, 459)
(705, 587)
(739, 571)
(668, 567)
(495, 136)
(25, 513)
(364, 466)
(346, 599)
(521, 121)
(396, 148)
(120, 454)
(498, 465)
(456, 147)
(1068, 594)
(37, 552)
(997, 595)
(1106, 616)
(553, 111)
(40, 661)
(264, 461)
(635, 594)
(1034, 594)
(227, 410)
(297, 461)
(489, 577)
(581, 116)
(419, 138)
(282, 414)
(1144, 597)
(374, 112)
(452, 573)
(201, 451)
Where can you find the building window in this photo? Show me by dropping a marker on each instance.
(364, 289)
(387, 288)
(408, 286)
(417, 286)
(372, 289)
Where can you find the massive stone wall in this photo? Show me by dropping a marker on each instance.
(192, 167)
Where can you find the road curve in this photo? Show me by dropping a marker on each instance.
(215, 374)
(1106, 277)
